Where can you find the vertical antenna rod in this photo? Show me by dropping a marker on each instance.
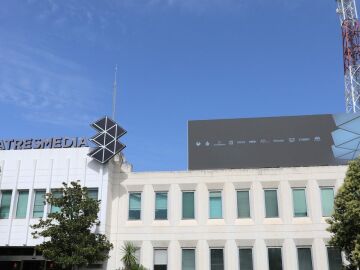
(351, 52)
(114, 94)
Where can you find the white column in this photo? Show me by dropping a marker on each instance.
(285, 202)
(260, 255)
(114, 261)
(175, 207)
(314, 201)
(202, 255)
(203, 205)
(289, 255)
(258, 203)
(231, 255)
(319, 255)
(149, 206)
(174, 255)
(229, 203)
(147, 255)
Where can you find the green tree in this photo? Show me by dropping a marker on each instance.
(70, 240)
(345, 221)
(128, 259)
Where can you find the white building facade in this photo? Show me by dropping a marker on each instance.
(243, 219)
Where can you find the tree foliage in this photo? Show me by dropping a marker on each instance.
(128, 259)
(69, 238)
(345, 221)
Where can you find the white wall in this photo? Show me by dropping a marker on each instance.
(48, 168)
(45, 169)
(230, 232)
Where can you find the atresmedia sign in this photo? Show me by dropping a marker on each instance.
(58, 142)
(311, 140)
(106, 141)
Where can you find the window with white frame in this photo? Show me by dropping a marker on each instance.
(327, 201)
(243, 203)
(215, 204)
(188, 204)
(161, 205)
(271, 203)
(275, 258)
(160, 259)
(22, 202)
(216, 259)
(299, 202)
(134, 206)
(246, 259)
(188, 259)
(5, 203)
(304, 258)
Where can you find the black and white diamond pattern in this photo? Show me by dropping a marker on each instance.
(106, 140)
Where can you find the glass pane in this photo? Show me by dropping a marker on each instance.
(243, 204)
(215, 205)
(299, 201)
(188, 205)
(5, 203)
(271, 203)
(22, 204)
(188, 259)
(334, 257)
(160, 267)
(275, 260)
(160, 257)
(161, 205)
(137, 255)
(304, 259)
(327, 201)
(134, 206)
(245, 256)
(217, 259)
(56, 194)
(93, 193)
(39, 203)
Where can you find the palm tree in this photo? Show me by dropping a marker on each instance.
(129, 260)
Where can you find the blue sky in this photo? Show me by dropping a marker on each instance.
(178, 60)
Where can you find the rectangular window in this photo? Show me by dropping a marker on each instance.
(334, 258)
(215, 204)
(327, 201)
(275, 259)
(216, 259)
(304, 259)
(299, 202)
(243, 206)
(93, 193)
(137, 254)
(39, 203)
(22, 202)
(161, 205)
(245, 257)
(56, 194)
(134, 206)
(188, 259)
(188, 206)
(5, 203)
(271, 203)
(160, 259)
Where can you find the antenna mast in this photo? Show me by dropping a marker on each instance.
(114, 94)
(351, 53)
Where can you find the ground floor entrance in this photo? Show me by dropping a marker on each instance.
(22, 258)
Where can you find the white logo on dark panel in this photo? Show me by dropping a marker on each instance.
(106, 140)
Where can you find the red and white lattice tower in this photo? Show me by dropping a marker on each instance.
(351, 50)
